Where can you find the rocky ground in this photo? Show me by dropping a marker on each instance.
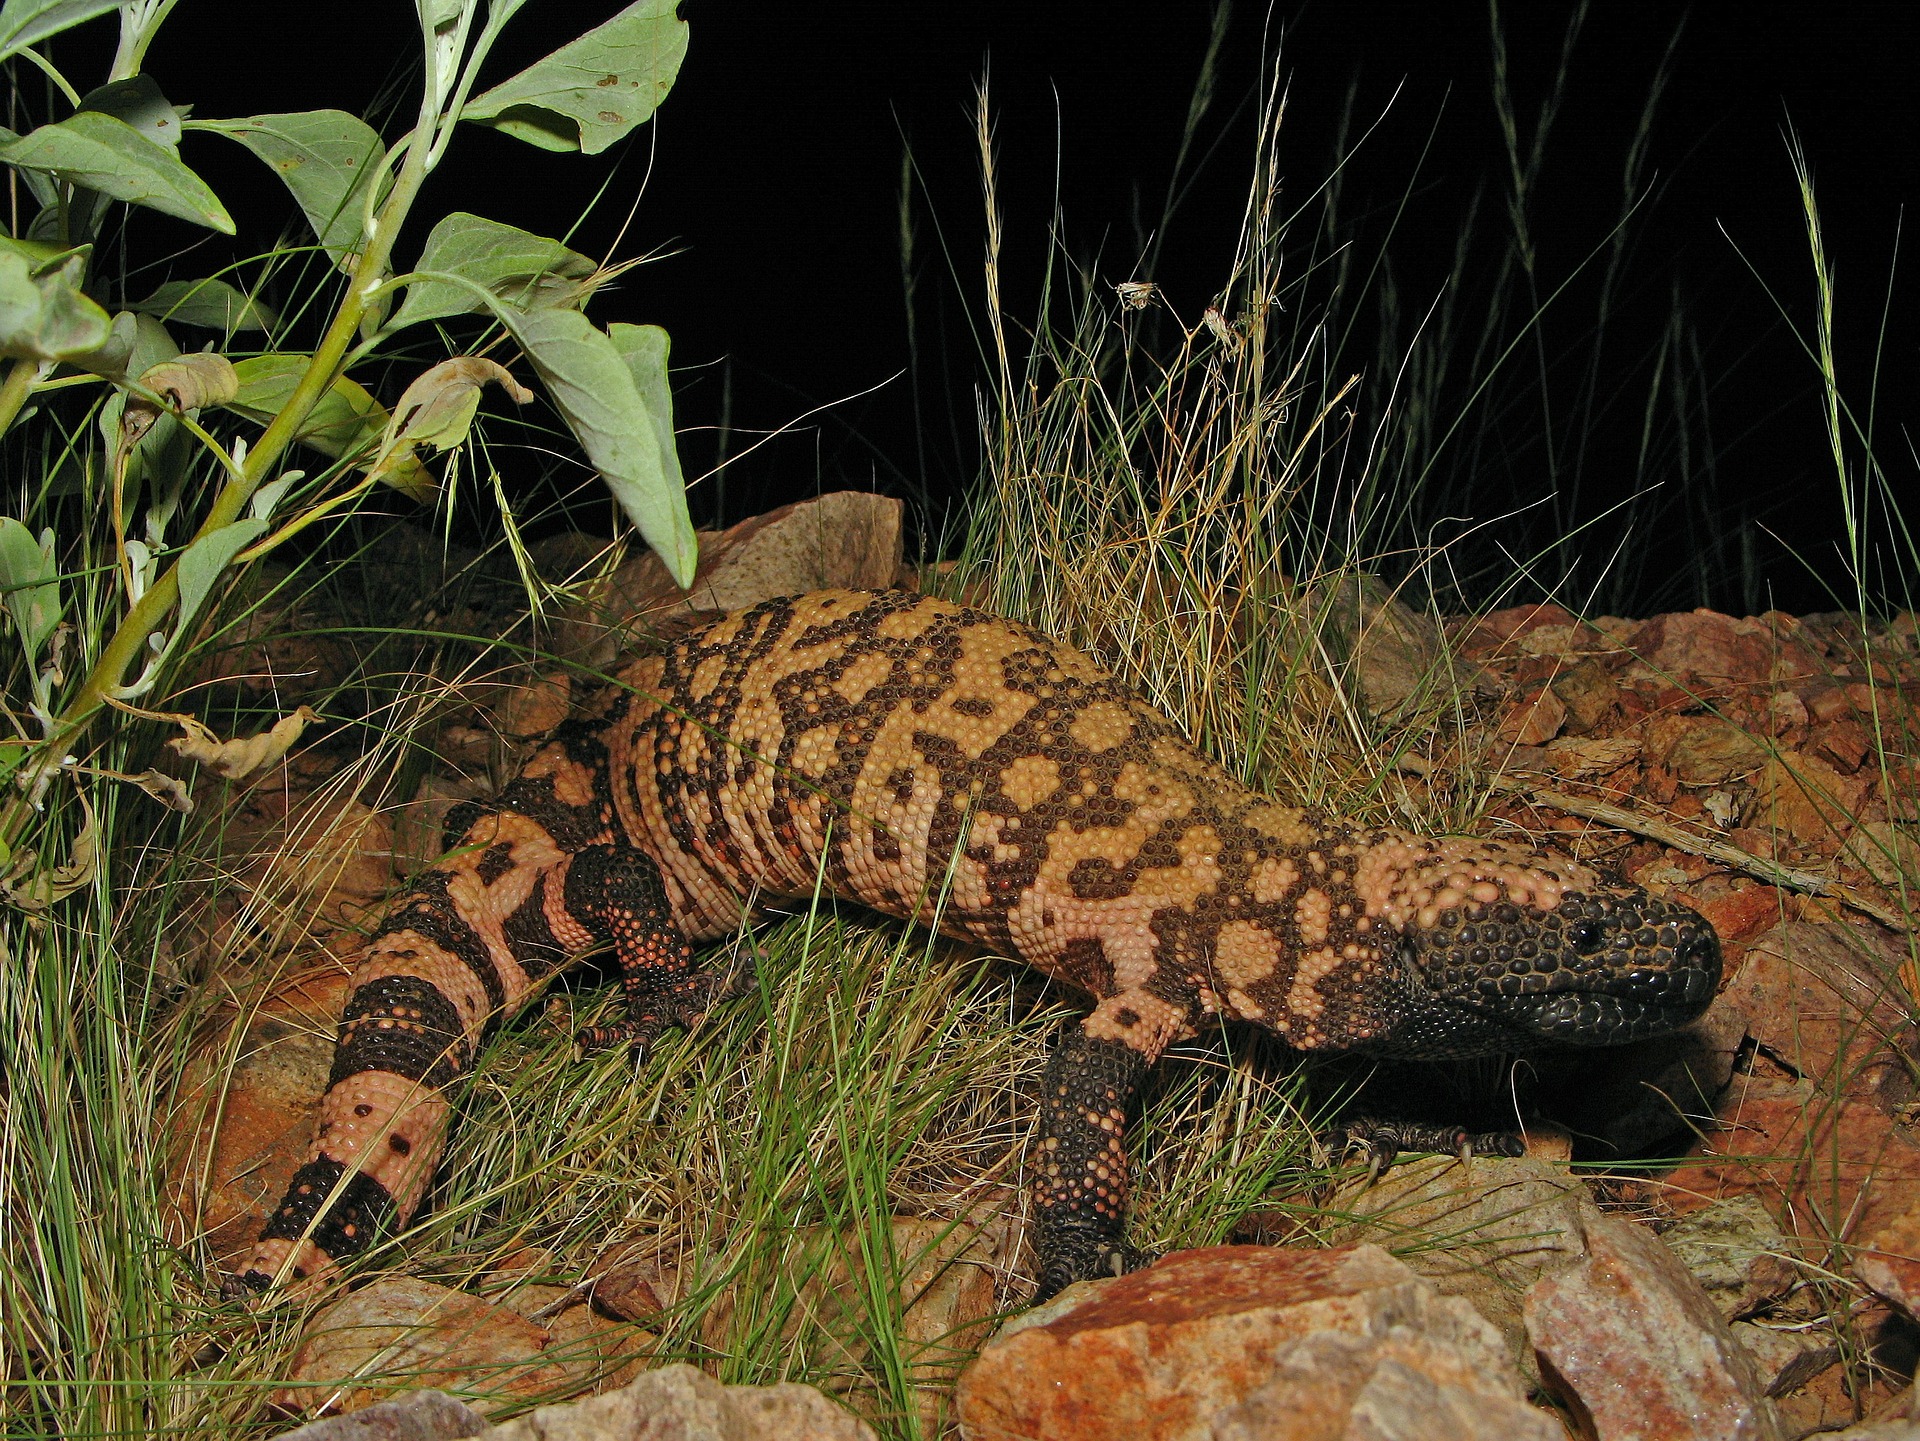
(1764, 770)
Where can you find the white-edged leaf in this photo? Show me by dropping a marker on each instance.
(590, 93)
(346, 424)
(592, 384)
(210, 303)
(326, 158)
(44, 315)
(28, 22)
(29, 583)
(516, 265)
(100, 153)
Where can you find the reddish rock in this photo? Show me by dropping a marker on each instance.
(1843, 742)
(845, 538)
(244, 1113)
(1830, 1171)
(1807, 799)
(1589, 693)
(1889, 1263)
(1490, 635)
(1824, 999)
(1534, 719)
(417, 1416)
(1164, 1353)
(1740, 914)
(1400, 1386)
(1707, 652)
(1483, 1229)
(1391, 654)
(1633, 1341)
(1737, 1252)
(1888, 853)
(1705, 750)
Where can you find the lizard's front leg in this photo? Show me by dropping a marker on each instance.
(614, 895)
(1080, 1189)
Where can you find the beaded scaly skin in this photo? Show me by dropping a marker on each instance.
(941, 764)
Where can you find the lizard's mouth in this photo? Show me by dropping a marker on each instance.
(1600, 969)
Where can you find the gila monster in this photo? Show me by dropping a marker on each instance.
(941, 764)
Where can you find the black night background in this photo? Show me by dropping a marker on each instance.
(770, 187)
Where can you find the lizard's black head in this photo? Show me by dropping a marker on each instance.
(1608, 963)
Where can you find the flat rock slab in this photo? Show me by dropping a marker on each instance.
(417, 1416)
(682, 1403)
(1631, 1338)
(844, 538)
(403, 1333)
(1249, 1341)
(1483, 1229)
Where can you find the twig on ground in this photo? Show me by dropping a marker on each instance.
(1681, 839)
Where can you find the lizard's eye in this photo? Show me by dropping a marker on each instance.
(1585, 937)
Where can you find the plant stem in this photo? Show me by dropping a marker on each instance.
(130, 638)
(15, 390)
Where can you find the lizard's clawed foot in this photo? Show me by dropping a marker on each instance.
(1380, 1142)
(1079, 1256)
(683, 1005)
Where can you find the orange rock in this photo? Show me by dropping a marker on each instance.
(1740, 914)
(1823, 999)
(1164, 1353)
(1707, 652)
(844, 538)
(244, 1111)
(1705, 750)
(1890, 1261)
(1491, 634)
(402, 1333)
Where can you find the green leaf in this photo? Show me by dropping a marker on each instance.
(29, 584)
(211, 303)
(138, 101)
(520, 267)
(644, 349)
(591, 381)
(43, 314)
(590, 93)
(203, 564)
(103, 154)
(347, 423)
(28, 22)
(326, 158)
